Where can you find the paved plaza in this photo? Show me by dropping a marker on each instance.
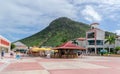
(38, 65)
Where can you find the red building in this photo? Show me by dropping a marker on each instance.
(4, 44)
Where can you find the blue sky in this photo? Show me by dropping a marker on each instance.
(22, 18)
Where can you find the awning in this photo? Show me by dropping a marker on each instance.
(36, 49)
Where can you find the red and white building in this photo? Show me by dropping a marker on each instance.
(95, 38)
(4, 44)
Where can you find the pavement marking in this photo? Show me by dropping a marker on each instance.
(5, 62)
(4, 66)
(70, 65)
(93, 58)
(27, 72)
(23, 66)
(25, 60)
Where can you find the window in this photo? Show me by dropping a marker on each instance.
(90, 35)
(91, 42)
(99, 42)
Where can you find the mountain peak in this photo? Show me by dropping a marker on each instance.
(59, 30)
(63, 18)
(60, 20)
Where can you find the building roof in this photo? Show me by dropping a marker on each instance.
(94, 24)
(4, 38)
(81, 39)
(69, 45)
(117, 36)
(94, 29)
(19, 44)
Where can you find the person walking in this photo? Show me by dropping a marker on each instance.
(2, 54)
(17, 55)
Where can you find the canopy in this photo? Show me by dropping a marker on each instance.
(69, 45)
(36, 49)
(45, 49)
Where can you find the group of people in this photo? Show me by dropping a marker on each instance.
(17, 55)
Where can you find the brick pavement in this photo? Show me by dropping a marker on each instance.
(37, 65)
(23, 66)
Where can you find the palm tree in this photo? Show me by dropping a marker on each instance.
(110, 40)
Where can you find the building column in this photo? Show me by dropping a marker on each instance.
(86, 50)
(95, 50)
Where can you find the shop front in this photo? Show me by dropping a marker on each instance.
(4, 44)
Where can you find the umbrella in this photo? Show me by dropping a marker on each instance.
(103, 51)
(45, 49)
(35, 49)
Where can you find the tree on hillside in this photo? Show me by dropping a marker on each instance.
(12, 46)
(64, 40)
(110, 40)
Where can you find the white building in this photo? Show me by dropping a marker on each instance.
(117, 41)
(81, 42)
(95, 40)
(20, 46)
(4, 44)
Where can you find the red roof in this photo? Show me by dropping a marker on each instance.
(69, 45)
(4, 42)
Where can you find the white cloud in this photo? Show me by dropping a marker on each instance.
(27, 12)
(110, 2)
(26, 17)
(107, 8)
(32, 14)
(90, 14)
(118, 32)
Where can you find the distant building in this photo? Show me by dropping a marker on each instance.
(117, 41)
(20, 46)
(95, 39)
(81, 42)
(4, 44)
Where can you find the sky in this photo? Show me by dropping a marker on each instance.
(23, 18)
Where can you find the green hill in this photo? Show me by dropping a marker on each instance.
(58, 31)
